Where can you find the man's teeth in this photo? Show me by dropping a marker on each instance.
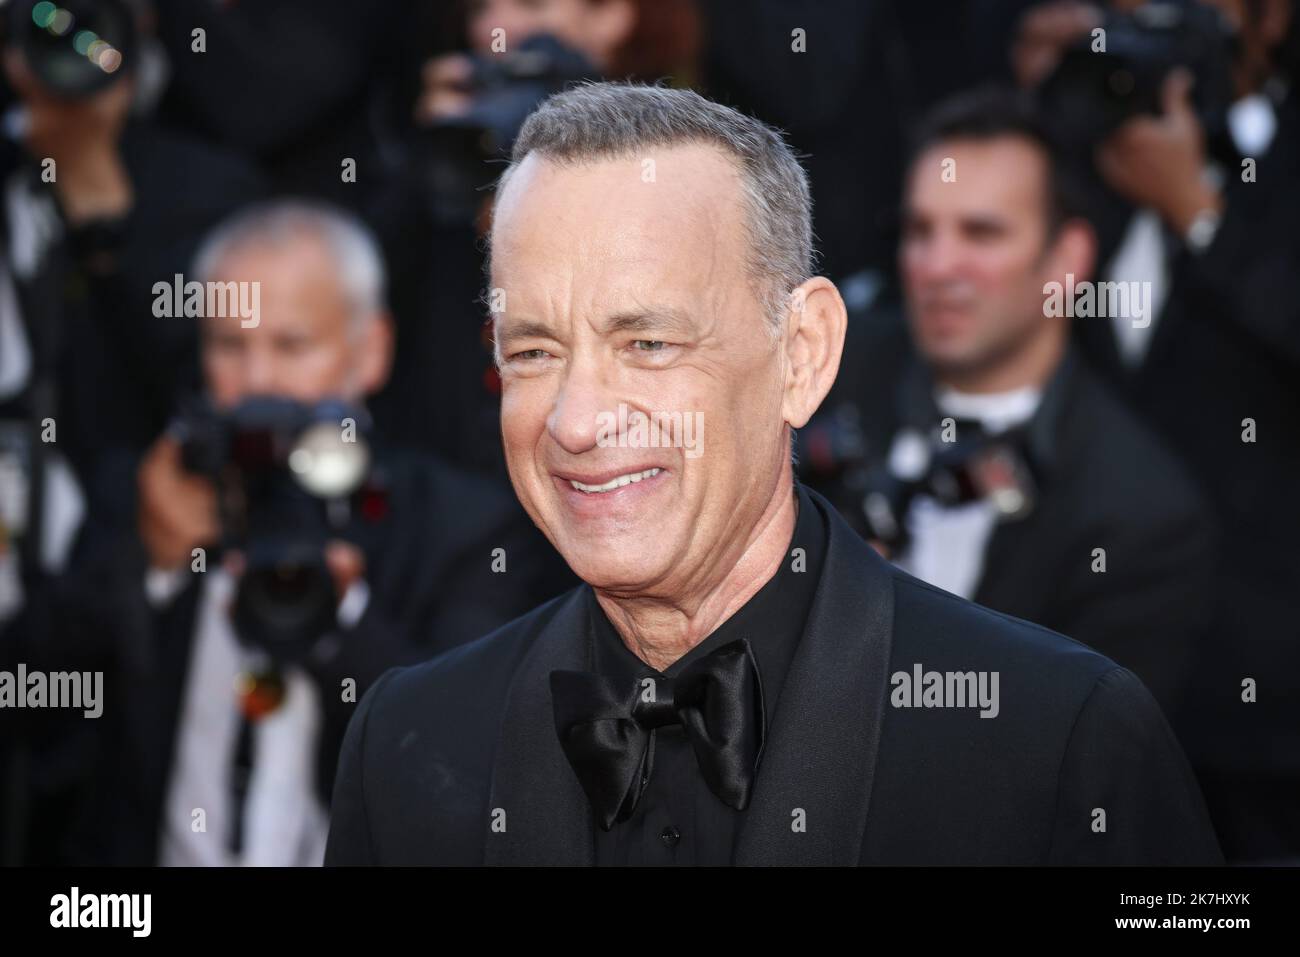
(615, 482)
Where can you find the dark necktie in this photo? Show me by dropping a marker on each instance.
(607, 728)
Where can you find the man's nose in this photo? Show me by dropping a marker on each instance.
(259, 373)
(940, 259)
(585, 393)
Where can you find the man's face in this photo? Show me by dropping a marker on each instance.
(973, 251)
(305, 345)
(622, 291)
(593, 27)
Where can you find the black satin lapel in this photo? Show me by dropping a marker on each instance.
(546, 814)
(821, 749)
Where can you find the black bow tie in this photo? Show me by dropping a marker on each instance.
(607, 726)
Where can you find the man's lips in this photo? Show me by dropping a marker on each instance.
(946, 317)
(610, 480)
(945, 306)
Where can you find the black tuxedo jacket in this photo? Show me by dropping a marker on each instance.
(456, 761)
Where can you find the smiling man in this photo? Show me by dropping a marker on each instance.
(734, 682)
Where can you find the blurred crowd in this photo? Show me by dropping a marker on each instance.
(1070, 391)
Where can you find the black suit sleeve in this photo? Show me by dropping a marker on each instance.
(349, 836)
(1126, 794)
(1150, 609)
(1251, 280)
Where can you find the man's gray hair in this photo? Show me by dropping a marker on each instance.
(359, 263)
(596, 121)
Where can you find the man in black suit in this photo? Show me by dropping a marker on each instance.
(741, 679)
(1094, 530)
(1209, 219)
(195, 772)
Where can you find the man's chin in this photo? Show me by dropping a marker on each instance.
(958, 360)
(619, 567)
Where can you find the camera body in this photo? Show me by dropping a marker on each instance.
(874, 492)
(1103, 81)
(504, 89)
(75, 48)
(290, 478)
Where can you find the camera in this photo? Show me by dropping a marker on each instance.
(1110, 77)
(290, 478)
(74, 48)
(504, 89)
(874, 493)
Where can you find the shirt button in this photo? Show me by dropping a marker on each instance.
(670, 836)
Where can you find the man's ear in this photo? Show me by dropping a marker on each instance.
(816, 321)
(1074, 250)
(375, 353)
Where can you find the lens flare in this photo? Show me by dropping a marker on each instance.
(43, 13)
(60, 22)
(109, 59)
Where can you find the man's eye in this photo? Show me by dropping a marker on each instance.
(648, 345)
(528, 354)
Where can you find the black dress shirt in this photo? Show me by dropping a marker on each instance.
(679, 820)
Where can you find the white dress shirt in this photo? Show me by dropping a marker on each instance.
(948, 542)
(285, 823)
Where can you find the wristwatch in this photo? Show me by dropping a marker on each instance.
(1200, 234)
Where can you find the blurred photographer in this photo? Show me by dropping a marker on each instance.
(1199, 199)
(473, 103)
(98, 203)
(103, 201)
(285, 560)
(1001, 468)
(616, 37)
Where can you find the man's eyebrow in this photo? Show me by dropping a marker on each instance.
(524, 329)
(647, 320)
(983, 220)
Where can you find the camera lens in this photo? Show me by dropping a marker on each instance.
(74, 47)
(285, 602)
